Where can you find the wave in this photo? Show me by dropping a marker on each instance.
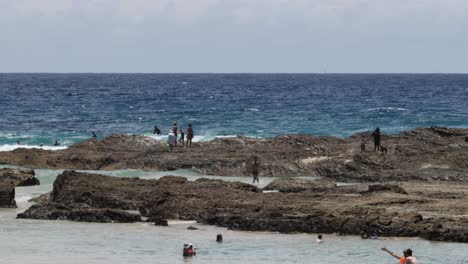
(252, 109)
(387, 109)
(202, 138)
(10, 147)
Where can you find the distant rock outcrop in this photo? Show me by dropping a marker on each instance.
(424, 154)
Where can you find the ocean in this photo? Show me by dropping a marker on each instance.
(41, 108)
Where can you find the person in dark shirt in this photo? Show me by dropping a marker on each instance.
(174, 130)
(190, 135)
(255, 167)
(156, 130)
(377, 137)
(182, 137)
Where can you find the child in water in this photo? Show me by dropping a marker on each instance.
(189, 251)
(319, 239)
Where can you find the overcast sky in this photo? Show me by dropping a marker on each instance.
(234, 36)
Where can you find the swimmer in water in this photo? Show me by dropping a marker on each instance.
(407, 257)
(156, 130)
(57, 143)
(189, 251)
(319, 239)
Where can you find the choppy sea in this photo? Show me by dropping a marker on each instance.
(38, 109)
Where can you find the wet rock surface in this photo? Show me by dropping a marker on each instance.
(19, 177)
(7, 194)
(432, 210)
(423, 154)
(63, 212)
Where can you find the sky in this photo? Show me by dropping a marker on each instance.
(234, 36)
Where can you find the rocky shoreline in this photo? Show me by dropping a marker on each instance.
(419, 188)
(435, 211)
(425, 154)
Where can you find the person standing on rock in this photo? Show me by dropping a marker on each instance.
(174, 130)
(363, 143)
(377, 136)
(171, 140)
(255, 168)
(182, 137)
(189, 135)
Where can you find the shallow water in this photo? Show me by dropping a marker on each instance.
(37, 241)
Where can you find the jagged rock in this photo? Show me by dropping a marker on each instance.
(425, 154)
(294, 185)
(62, 212)
(19, 177)
(7, 194)
(385, 187)
(159, 221)
(406, 209)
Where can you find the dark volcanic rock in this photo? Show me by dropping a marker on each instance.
(408, 209)
(7, 194)
(385, 187)
(159, 221)
(424, 154)
(19, 177)
(294, 185)
(62, 212)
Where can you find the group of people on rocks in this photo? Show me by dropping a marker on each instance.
(176, 136)
(377, 136)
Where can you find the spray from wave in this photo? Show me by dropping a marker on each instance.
(10, 147)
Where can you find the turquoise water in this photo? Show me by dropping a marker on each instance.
(37, 241)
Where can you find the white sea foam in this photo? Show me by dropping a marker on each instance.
(202, 138)
(252, 109)
(10, 147)
(23, 198)
(387, 109)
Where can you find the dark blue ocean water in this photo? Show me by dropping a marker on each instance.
(39, 108)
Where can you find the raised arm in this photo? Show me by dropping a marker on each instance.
(391, 253)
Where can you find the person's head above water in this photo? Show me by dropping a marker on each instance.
(219, 238)
(408, 253)
(319, 236)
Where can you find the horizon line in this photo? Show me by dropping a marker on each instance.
(245, 73)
